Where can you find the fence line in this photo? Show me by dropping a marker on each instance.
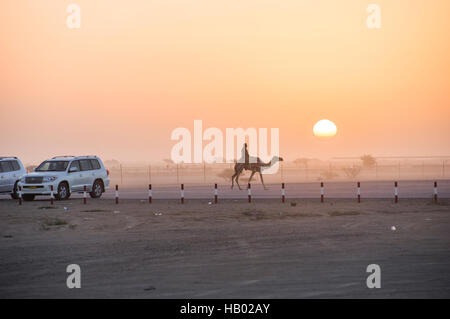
(288, 172)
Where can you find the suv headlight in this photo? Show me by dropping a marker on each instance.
(47, 179)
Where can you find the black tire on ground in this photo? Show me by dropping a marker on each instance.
(28, 197)
(97, 189)
(14, 194)
(63, 191)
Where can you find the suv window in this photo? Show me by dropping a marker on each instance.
(95, 164)
(75, 164)
(52, 166)
(15, 165)
(1, 169)
(85, 165)
(6, 166)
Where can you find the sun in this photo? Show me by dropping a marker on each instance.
(325, 128)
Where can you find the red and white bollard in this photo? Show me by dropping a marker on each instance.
(149, 193)
(249, 191)
(117, 194)
(51, 195)
(395, 192)
(182, 193)
(435, 192)
(20, 195)
(84, 195)
(321, 192)
(216, 193)
(358, 192)
(283, 193)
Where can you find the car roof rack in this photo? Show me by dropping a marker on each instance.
(3, 157)
(62, 156)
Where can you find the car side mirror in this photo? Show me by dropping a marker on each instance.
(73, 169)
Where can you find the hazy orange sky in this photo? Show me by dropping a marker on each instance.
(136, 70)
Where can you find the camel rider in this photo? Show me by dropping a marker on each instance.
(245, 156)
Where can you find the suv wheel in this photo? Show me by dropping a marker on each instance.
(28, 197)
(63, 191)
(14, 194)
(97, 189)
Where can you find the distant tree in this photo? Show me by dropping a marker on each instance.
(301, 161)
(368, 161)
(328, 174)
(168, 162)
(352, 171)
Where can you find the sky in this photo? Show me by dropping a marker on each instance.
(136, 70)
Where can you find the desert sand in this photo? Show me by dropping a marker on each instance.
(234, 249)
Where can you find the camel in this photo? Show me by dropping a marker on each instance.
(254, 167)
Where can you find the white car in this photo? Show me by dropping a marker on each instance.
(11, 170)
(67, 174)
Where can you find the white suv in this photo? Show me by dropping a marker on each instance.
(66, 174)
(11, 170)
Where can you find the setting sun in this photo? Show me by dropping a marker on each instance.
(324, 128)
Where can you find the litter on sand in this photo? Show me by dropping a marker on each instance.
(393, 228)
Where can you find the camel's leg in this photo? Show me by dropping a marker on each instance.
(237, 180)
(262, 181)
(238, 169)
(251, 176)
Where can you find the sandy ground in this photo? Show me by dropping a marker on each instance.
(265, 249)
